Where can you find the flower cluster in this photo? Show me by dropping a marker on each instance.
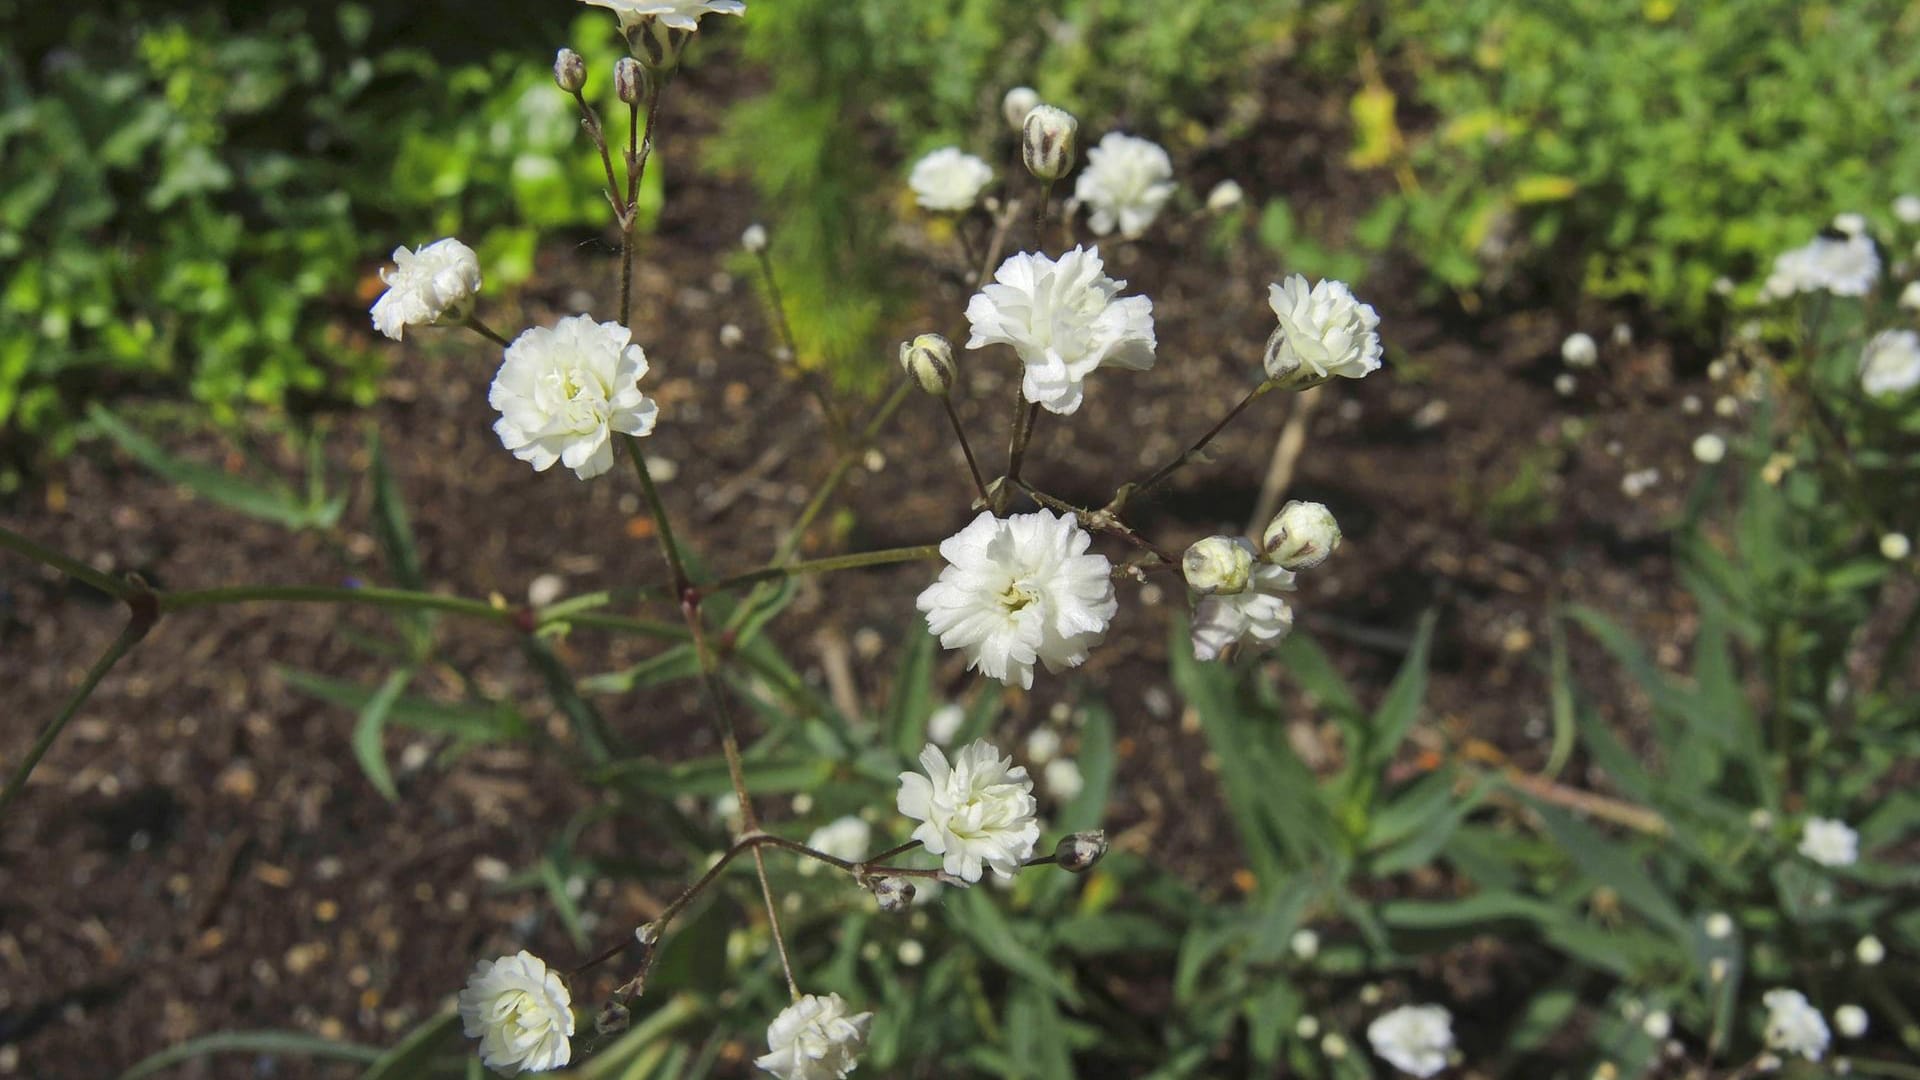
(949, 180)
(521, 1013)
(1844, 266)
(433, 285)
(1416, 1039)
(1126, 183)
(1794, 1026)
(1065, 319)
(815, 1039)
(1245, 600)
(977, 813)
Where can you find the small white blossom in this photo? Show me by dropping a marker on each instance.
(1019, 101)
(563, 393)
(1225, 195)
(673, 14)
(1565, 384)
(1305, 944)
(815, 1039)
(1218, 564)
(1847, 267)
(1579, 350)
(1048, 136)
(846, 838)
(1794, 1026)
(1334, 1045)
(521, 1013)
(1895, 546)
(945, 723)
(1125, 184)
(1259, 612)
(949, 179)
(1413, 1038)
(1658, 1024)
(1064, 779)
(977, 813)
(1890, 364)
(754, 238)
(1301, 535)
(1322, 327)
(1850, 223)
(1043, 745)
(1869, 951)
(1065, 319)
(1709, 449)
(1829, 842)
(432, 285)
(1850, 1021)
(1907, 209)
(1910, 296)
(1719, 926)
(911, 953)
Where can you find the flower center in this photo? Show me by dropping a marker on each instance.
(1017, 596)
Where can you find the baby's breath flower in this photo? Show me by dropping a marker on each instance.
(977, 812)
(1259, 612)
(1658, 1024)
(1910, 296)
(1890, 364)
(1047, 137)
(672, 14)
(754, 238)
(1829, 842)
(1019, 101)
(521, 1013)
(1850, 223)
(1322, 328)
(1218, 565)
(1304, 943)
(1225, 195)
(433, 285)
(1579, 350)
(1063, 779)
(1065, 319)
(1869, 951)
(1850, 1020)
(843, 838)
(1301, 535)
(1846, 267)
(1794, 1026)
(1719, 926)
(945, 723)
(1125, 184)
(563, 393)
(1907, 209)
(1043, 745)
(1709, 449)
(949, 179)
(1895, 546)
(929, 359)
(1413, 1038)
(815, 1039)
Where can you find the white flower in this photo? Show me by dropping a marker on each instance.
(427, 286)
(1910, 296)
(1221, 620)
(1709, 449)
(1579, 350)
(1869, 951)
(1323, 328)
(1225, 195)
(520, 1012)
(844, 838)
(1890, 364)
(1719, 926)
(815, 1039)
(977, 813)
(1043, 745)
(562, 394)
(1126, 182)
(1064, 779)
(1850, 223)
(1064, 318)
(1301, 535)
(754, 238)
(1907, 209)
(948, 179)
(1413, 1038)
(1019, 101)
(1829, 842)
(1847, 267)
(1658, 1024)
(1017, 590)
(945, 723)
(1794, 1026)
(1304, 943)
(1895, 546)
(1218, 564)
(1851, 1020)
(673, 14)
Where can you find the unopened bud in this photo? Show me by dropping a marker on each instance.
(754, 239)
(1225, 196)
(629, 81)
(570, 71)
(1301, 536)
(1281, 364)
(613, 1019)
(1019, 101)
(929, 359)
(1046, 142)
(1218, 564)
(657, 44)
(893, 893)
(1077, 852)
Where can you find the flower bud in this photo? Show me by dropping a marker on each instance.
(570, 71)
(1281, 363)
(1218, 564)
(1301, 536)
(1046, 142)
(1019, 101)
(754, 239)
(929, 359)
(629, 81)
(892, 893)
(1225, 195)
(657, 44)
(1077, 852)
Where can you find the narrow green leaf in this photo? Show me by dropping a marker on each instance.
(289, 1043)
(1397, 713)
(368, 734)
(274, 502)
(476, 722)
(1612, 865)
(912, 699)
(410, 1057)
(391, 525)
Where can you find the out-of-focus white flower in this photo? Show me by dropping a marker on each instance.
(977, 813)
(1043, 744)
(1047, 138)
(1019, 101)
(1334, 1045)
(1125, 184)
(1413, 1038)
(521, 1013)
(1301, 535)
(1322, 328)
(1869, 951)
(562, 394)
(815, 1039)
(1719, 926)
(1225, 195)
(1304, 943)
(1907, 209)
(911, 953)
(1760, 819)
(1850, 223)
(1890, 364)
(1658, 1024)
(1307, 1026)
(673, 14)
(843, 838)
(1065, 319)
(1218, 564)
(1895, 546)
(945, 723)
(432, 285)
(949, 179)
(1259, 612)
(1910, 296)
(1565, 384)
(1846, 267)
(1850, 1021)
(1709, 449)
(1829, 842)
(1064, 779)
(1579, 350)
(754, 238)
(1794, 1026)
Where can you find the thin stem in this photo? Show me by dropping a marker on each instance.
(639, 150)
(73, 568)
(818, 501)
(973, 467)
(474, 324)
(144, 613)
(857, 560)
(1040, 216)
(897, 849)
(1024, 416)
(663, 527)
(1100, 521)
(1159, 477)
(999, 242)
(835, 422)
(591, 121)
(773, 923)
(323, 594)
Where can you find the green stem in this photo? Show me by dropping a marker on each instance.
(818, 502)
(322, 594)
(1024, 417)
(1160, 476)
(73, 568)
(474, 324)
(855, 561)
(663, 527)
(973, 467)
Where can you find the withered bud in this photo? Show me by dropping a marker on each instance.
(629, 81)
(613, 1019)
(570, 71)
(1077, 852)
(893, 893)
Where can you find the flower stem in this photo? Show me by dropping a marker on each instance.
(1159, 477)
(1024, 416)
(474, 324)
(836, 424)
(639, 150)
(973, 467)
(73, 568)
(818, 501)
(1100, 521)
(662, 525)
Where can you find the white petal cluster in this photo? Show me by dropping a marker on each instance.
(1851, 1020)
(562, 394)
(815, 1039)
(673, 14)
(1579, 350)
(1890, 364)
(1413, 1038)
(1829, 842)
(1844, 267)
(1907, 209)
(424, 287)
(949, 180)
(1259, 612)
(1322, 328)
(1063, 779)
(521, 1013)
(1794, 1026)
(1019, 590)
(1064, 318)
(1125, 184)
(977, 813)
(846, 838)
